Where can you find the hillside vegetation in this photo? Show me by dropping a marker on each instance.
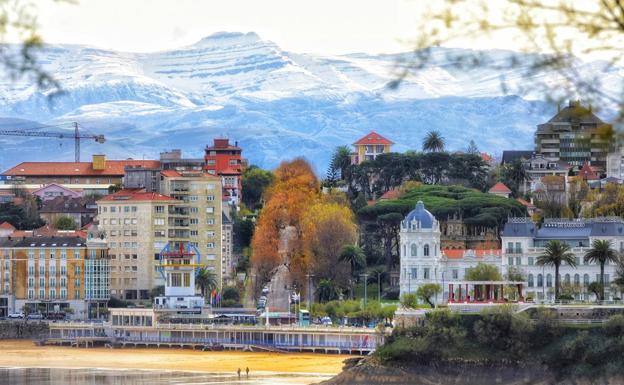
(475, 207)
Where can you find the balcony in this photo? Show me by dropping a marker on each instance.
(513, 251)
(178, 223)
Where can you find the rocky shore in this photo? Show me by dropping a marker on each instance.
(368, 371)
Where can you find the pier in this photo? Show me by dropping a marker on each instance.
(284, 339)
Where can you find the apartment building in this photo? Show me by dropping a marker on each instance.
(196, 216)
(136, 224)
(225, 160)
(141, 224)
(55, 274)
(575, 136)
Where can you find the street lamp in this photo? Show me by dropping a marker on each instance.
(365, 287)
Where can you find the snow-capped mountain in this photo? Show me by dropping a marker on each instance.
(276, 104)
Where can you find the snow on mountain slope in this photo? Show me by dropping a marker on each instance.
(277, 104)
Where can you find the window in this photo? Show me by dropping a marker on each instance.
(113, 209)
(209, 210)
(194, 210)
(193, 233)
(193, 221)
(77, 294)
(426, 250)
(210, 234)
(210, 186)
(63, 282)
(210, 221)
(531, 282)
(210, 245)
(566, 279)
(455, 274)
(414, 248)
(159, 233)
(126, 233)
(134, 209)
(577, 279)
(77, 254)
(586, 279)
(426, 273)
(31, 282)
(133, 221)
(113, 221)
(159, 221)
(126, 221)
(510, 247)
(63, 253)
(31, 294)
(548, 280)
(540, 280)
(193, 198)
(126, 209)
(518, 261)
(531, 261)
(210, 198)
(510, 261)
(63, 293)
(31, 254)
(159, 209)
(41, 293)
(31, 270)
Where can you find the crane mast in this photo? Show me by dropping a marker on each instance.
(77, 136)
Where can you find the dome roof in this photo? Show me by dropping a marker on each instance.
(421, 215)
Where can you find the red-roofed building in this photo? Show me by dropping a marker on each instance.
(6, 229)
(369, 147)
(390, 194)
(98, 171)
(225, 160)
(588, 172)
(500, 189)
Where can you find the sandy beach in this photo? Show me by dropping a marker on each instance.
(23, 353)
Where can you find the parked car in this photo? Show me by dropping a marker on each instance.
(34, 316)
(16, 316)
(326, 321)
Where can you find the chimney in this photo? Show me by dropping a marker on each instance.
(99, 162)
(236, 143)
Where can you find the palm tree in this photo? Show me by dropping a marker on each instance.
(601, 253)
(341, 162)
(555, 254)
(354, 256)
(433, 142)
(206, 280)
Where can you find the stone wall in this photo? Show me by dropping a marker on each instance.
(23, 330)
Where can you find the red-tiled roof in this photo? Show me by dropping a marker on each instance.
(373, 138)
(587, 172)
(7, 226)
(500, 188)
(136, 195)
(170, 173)
(486, 157)
(112, 168)
(391, 194)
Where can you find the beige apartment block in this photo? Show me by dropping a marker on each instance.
(136, 225)
(196, 218)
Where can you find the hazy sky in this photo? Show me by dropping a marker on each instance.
(319, 26)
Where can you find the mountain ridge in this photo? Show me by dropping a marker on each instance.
(277, 104)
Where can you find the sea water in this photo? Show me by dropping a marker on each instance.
(60, 376)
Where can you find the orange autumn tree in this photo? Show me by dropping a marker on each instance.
(294, 189)
(327, 227)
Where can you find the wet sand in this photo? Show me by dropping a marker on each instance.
(23, 353)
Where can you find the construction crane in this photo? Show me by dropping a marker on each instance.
(77, 136)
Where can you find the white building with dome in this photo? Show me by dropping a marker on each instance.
(420, 249)
(423, 260)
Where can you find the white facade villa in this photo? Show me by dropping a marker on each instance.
(423, 261)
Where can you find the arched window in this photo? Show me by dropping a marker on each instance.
(426, 250)
(531, 283)
(404, 250)
(414, 250)
(548, 280)
(586, 279)
(540, 280)
(566, 279)
(577, 279)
